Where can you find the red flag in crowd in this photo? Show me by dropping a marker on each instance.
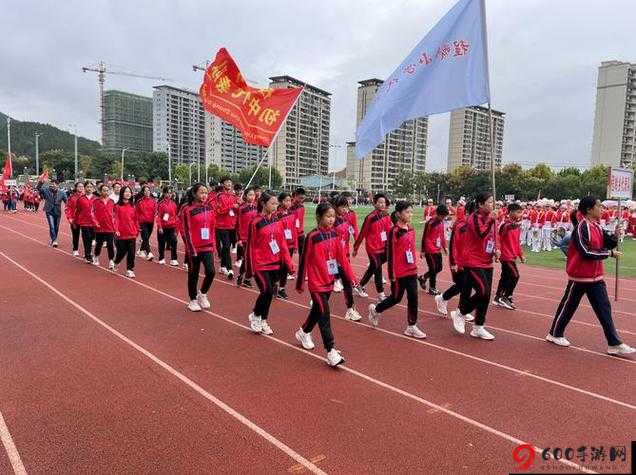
(7, 171)
(44, 176)
(257, 113)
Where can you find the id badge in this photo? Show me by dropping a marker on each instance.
(273, 245)
(438, 242)
(166, 216)
(332, 266)
(297, 223)
(231, 212)
(490, 246)
(351, 230)
(409, 257)
(383, 236)
(288, 234)
(205, 233)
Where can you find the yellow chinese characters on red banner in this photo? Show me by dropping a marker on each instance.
(257, 113)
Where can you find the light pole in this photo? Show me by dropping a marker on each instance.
(169, 167)
(37, 153)
(9, 135)
(123, 150)
(76, 162)
(190, 172)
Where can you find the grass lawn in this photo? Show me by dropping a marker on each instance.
(554, 259)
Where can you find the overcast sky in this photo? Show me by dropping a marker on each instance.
(544, 56)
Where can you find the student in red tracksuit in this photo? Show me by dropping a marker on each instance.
(321, 261)
(167, 226)
(226, 209)
(69, 212)
(126, 230)
(198, 223)
(266, 253)
(146, 207)
(287, 220)
(510, 245)
(433, 243)
(345, 230)
(246, 212)
(375, 230)
(589, 246)
(103, 209)
(351, 216)
(402, 266)
(298, 208)
(85, 219)
(480, 247)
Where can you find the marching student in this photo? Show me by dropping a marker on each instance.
(266, 253)
(104, 209)
(226, 209)
(69, 212)
(480, 247)
(402, 267)
(287, 220)
(587, 249)
(114, 194)
(321, 260)
(298, 208)
(546, 231)
(246, 212)
(53, 197)
(85, 219)
(126, 230)
(351, 216)
(534, 235)
(433, 243)
(198, 223)
(374, 232)
(146, 207)
(429, 210)
(510, 246)
(345, 230)
(167, 226)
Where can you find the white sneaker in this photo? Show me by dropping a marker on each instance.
(111, 265)
(238, 263)
(230, 274)
(381, 297)
(458, 322)
(203, 301)
(75, 253)
(174, 262)
(337, 286)
(130, 274)
(334, 358)
(95, 261)
(256, 323)
(374, 316)
(352, 315)
(479, 331)
(383, 280)
(621, 349)
(469, 318)
(360, 292)
(291, 276)
(233, 250)
(223, 271)
(415, 332)
(560, 340)
(265, 328)
(149, 256)
(162, 262)
(441, 305)
(142, 254)
(305, 339)
(54, 243)
(185, 266)
(194, 306)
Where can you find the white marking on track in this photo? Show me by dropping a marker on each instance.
(9, 446)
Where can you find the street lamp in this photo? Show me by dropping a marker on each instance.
(74, 127)
(123, 150)
(190, 172)
(37, 153)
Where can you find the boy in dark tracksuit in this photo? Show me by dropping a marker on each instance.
(510, 246)
(433, 243)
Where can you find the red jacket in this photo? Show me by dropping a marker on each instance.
(533, 216)
(126, 223)
(266, 246)
(167, 214)
(401, 252)
(541, 218)
(549, 217)
(589, 245)
(480, 241)
(456, 243)
(195, 220)
(509, 240)
(69, 209)
(429, 212)
(433, 239)
(84, 212)
(323, 247)
(375, 231)
(246, 213)
(290, 232)
(299, 211)
(460, 212)
(146, 209)
(352, 218)
(343, 227)
(104, 217)
(226, 210)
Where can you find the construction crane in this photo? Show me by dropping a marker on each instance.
(101, 71)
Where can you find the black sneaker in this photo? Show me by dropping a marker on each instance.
(433, 291)
(422, 282)
(511, 303)
(230, 275)
(282, 294)
(502, 302)
(247, 283)
(239, 280)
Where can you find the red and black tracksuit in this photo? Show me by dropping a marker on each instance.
(146, 208)
(290, 233)
(455, 258)
(298, 209)
(69, 212)
(375, 230)
(402, 267)
(85, 219)
(266, 253)
(479, 246)
(126, 231)
(510, 247)
(105, 226)
(321, 261)
(589, 246)
(226, 210)
(167, 227)
(246, 212)
(343, 228)
(197, 224)
(433, 242)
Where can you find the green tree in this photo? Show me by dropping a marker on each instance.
(62, 162)
(261, 178)
(181, 174)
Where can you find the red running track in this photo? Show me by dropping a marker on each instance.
(445, 405)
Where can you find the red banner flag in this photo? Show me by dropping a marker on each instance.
(44, 176)
(7, 171)
(257, 113)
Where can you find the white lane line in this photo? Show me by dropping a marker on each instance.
(9, 446)
(216, 401)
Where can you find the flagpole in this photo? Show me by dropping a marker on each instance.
(491, 121)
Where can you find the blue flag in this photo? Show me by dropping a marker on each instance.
(447, 70)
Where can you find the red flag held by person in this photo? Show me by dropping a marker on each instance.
(256, 113)
(7, 171)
